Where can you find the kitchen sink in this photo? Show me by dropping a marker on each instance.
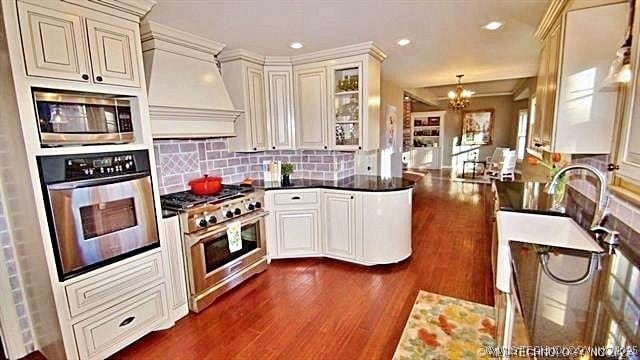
(549, 230)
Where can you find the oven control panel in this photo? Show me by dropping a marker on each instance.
(95, 167)
(208, 215)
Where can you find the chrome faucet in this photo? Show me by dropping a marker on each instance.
(602, 201)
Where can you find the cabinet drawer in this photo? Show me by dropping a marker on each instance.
(296, 197)
(97, 290)
(109, 331)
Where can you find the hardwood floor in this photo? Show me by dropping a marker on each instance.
(325, 309)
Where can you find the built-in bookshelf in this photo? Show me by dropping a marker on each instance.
(426, 129)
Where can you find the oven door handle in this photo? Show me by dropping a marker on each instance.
(70, 185)
(194, 239)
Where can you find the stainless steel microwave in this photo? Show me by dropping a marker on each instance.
(73, 118)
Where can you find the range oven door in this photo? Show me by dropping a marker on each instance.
(211, 261)
(99, 221)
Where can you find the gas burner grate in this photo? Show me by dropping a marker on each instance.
(186, 199)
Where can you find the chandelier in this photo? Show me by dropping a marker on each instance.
(459, 99)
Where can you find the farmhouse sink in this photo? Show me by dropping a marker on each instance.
(549, 230)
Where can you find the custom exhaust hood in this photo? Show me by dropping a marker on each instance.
(187, 97)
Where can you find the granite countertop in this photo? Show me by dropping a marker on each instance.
(353, 183)
(526, 196)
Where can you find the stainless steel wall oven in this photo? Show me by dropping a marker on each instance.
(100, 208)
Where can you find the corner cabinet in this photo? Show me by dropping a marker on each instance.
(244, 80)
(573, 99)
(72, 46)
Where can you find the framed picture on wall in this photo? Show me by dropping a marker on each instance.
(477, 127)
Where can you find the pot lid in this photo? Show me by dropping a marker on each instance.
(206, 179)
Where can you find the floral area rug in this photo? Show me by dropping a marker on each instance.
(442, 327)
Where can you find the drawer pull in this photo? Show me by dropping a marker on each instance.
(295, 197)
(127, 321)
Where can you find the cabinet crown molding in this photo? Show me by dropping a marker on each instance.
(241, 54)
(277, 61)
(151, 32)
(553, 12)
(137, 8)
(365, 48)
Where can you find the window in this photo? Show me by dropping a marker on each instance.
(521, 142)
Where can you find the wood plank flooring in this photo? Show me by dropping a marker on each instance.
(325, 309)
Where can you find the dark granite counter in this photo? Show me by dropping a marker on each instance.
(352, 183)
(525, 196)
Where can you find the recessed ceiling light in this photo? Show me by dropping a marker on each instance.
(296, 45)
(403, 42)
(494, 25)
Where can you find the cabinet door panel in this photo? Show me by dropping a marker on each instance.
(297, 232)
(551, 81)
(257, 116)
(114, 58)
(53, 43)
(339, 224)
(280, 109)
(311, 108)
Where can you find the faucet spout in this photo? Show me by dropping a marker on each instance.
(602, 200)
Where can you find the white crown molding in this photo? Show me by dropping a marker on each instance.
(277, 61)
(152, 33)
(553, 12)
(137, 8)
(365, 48)
(241, 54)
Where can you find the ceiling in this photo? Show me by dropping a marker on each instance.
(447, 38)
(483, 88)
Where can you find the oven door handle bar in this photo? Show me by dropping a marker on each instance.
(196, 238)
(70, 185)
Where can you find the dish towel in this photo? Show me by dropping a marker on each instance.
(234, 234)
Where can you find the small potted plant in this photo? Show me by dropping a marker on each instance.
(286, 170)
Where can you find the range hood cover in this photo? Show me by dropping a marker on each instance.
(187, 97)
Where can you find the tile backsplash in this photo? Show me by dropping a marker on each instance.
(624, 216)
(179, 161)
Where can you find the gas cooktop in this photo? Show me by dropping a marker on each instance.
(184, 200)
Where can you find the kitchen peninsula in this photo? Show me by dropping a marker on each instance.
(360, 219)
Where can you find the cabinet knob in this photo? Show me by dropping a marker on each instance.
(98, 78)
(85, 77)
(273, 147)
(359, 147)
(254, 149)
(325, 147)
(613, 167)
(351, 197)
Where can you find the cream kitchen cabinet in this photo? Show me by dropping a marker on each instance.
(339, 224)
(359, 226)
(575, 107)
(178, 306)
(280, 116)
(311, 107)
(243, 75)
(70, 45)
(298, 232)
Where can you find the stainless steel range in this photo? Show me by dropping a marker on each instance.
(212, 267)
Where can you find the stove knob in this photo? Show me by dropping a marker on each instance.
(237, 211)
(251, 207)
(258, 204)
(229, 214)
(212, 220)
(202, 222)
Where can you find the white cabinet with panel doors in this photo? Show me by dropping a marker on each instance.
(77, 45)
(340, 234)
(575, 106)
(363, 227)
(243, 75)
(310, 88)
(280, 116)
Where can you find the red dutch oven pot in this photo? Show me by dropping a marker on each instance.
(207, 185)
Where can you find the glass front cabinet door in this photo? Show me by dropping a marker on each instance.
(346, 107)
